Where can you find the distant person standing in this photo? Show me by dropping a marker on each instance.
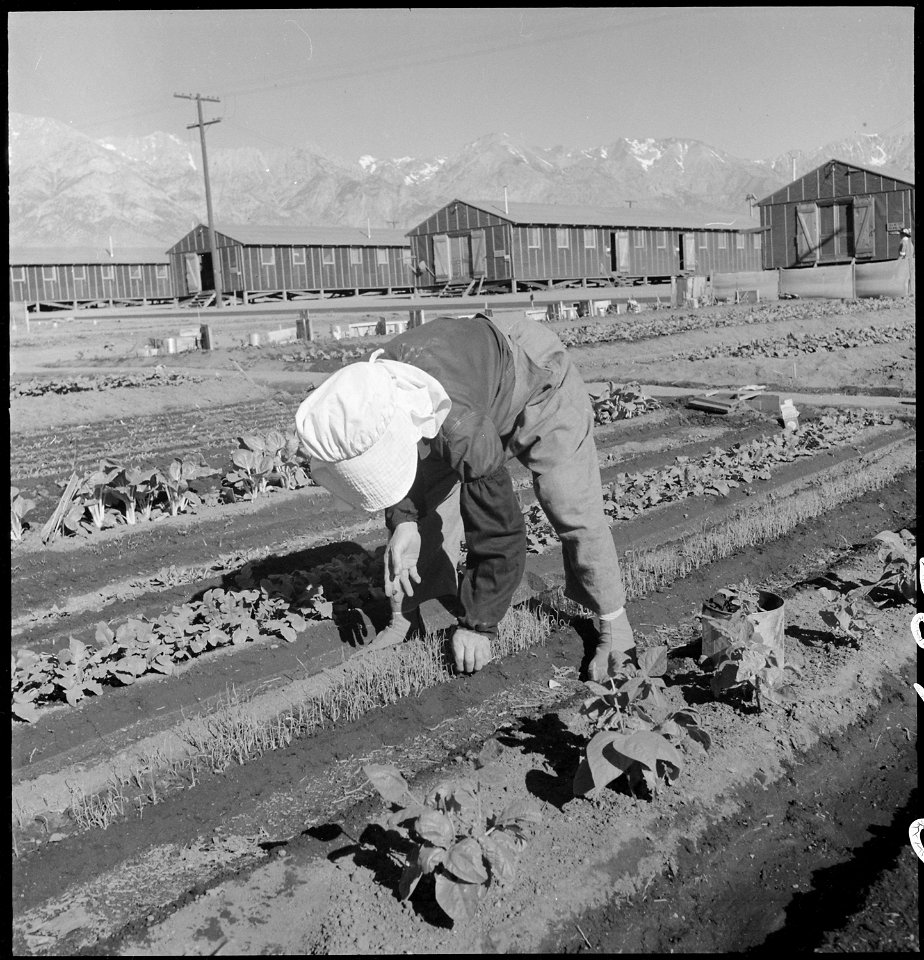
(906, 253)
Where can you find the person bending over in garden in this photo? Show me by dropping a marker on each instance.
(424, 430)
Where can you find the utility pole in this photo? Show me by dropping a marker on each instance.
(213, 247)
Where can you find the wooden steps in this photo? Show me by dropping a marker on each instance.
(204, 298)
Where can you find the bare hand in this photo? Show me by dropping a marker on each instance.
(401, 556)
(470, 649)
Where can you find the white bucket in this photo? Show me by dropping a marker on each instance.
(769, 623)
(255, 339)
(789, 414)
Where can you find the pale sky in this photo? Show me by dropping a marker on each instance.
(753, 81)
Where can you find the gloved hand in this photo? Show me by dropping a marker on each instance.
(401, 556)
(615, 648)
(471, 650)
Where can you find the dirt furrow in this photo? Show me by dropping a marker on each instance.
(586, 853)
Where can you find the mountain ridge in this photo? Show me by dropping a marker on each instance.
(67, 188)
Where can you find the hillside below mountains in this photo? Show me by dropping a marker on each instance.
(69, 189)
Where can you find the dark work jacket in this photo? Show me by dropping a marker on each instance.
(473, 362)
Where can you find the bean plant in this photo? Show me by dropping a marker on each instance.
(463, 846)
(635, 736)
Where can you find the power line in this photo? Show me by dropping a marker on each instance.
(404, 62)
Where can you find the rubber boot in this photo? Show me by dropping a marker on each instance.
(615, 649)
(402, 624)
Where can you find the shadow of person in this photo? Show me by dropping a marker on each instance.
(562, 750)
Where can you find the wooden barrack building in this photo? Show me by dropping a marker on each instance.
(282, 262)
(75, 277)
(484, 246)
(837, 213)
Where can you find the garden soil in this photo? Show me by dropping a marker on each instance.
(287, 853)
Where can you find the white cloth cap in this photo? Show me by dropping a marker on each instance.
(362, 425)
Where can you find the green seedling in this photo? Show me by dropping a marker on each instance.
(176, 484)
(19, 507)
(463, 847)
(95, 487)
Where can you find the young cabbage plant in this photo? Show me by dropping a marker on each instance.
(124, 489)
(254, 465)
(465, 848)
(148, 484)
(19, 507)
(291, 464)
(96, 490)
(176, 484)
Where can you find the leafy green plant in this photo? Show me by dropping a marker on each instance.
(741, 598)
(751, 667)
(19, 507)
(846, 613)
(254, 466)
(135, 489)
(176, 480)
(621, 403)
(94, 488)
(465, 848)
(846, 616)
(138, 646)
(290, 466)
(635, 738)
(897, 553)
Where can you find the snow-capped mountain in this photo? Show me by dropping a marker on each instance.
(67, 188)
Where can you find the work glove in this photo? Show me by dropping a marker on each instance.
(615, 648)
(470, 649)
(401, 556)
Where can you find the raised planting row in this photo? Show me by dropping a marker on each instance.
(115, 493)
(714, 474)
(796, 344)
(641, 327)
(280, 604)
(37, 387)
(561, 843)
